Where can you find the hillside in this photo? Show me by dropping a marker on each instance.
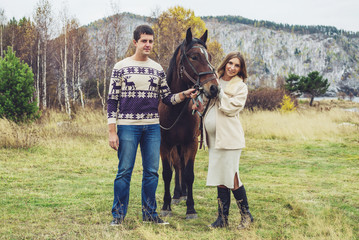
(272, 54)
(274, 50)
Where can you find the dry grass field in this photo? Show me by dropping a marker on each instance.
(300, 169)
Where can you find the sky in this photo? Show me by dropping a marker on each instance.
(342, 14)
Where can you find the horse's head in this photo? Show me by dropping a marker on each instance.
(195, 67)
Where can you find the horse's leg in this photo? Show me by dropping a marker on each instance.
(189, 178)
(167, 177)
(177, 193)
(189, 154)
(188, 175)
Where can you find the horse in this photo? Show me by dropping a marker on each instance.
(189, 67)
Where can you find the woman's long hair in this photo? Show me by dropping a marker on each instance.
(243, 69)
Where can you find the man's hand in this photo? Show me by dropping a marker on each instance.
(112, 136)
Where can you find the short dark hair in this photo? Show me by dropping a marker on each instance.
(142, 29)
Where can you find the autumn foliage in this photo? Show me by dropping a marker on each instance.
(170, 30)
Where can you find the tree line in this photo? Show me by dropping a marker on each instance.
(298, 29)
(72, 65)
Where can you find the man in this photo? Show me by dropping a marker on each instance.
(137, 83)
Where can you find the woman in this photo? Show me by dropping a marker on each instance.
(224, 137)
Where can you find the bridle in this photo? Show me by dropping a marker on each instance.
(182, 69)
(197, 84)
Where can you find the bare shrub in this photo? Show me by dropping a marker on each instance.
(265, 99)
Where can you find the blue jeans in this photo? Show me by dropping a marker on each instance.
(149, 138)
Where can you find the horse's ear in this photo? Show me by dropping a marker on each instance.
(188, 36)
(204, 36)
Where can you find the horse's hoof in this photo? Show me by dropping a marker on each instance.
(191, 216)
(166, 213)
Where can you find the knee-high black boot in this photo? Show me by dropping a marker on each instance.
(224, 201)
(242, 203)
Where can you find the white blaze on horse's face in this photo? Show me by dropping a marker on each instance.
(205, 53)
(195, 65)
(210, 87)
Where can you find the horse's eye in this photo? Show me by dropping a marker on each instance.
(194, 58)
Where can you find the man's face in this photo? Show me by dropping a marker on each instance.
(144, 44)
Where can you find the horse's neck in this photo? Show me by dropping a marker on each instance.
(177, 84)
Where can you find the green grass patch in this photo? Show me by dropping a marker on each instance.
(296, 191)
(62, 188)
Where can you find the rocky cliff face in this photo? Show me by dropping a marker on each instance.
(272, 54)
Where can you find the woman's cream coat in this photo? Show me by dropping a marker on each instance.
(231, 100)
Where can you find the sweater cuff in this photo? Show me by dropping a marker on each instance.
(177, 98)
(111, 120)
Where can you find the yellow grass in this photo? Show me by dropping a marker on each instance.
(306, 124)
(301, 125)
(52, 126)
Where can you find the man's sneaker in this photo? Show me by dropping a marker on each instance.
(116, 222)
(155, 220)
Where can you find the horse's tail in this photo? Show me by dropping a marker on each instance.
(177, 162)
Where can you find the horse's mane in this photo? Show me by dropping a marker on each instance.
(172, 65)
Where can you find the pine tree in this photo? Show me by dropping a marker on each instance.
(314, 85)
(16, 89)
(291, 84)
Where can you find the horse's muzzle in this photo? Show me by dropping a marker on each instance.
(213, 91)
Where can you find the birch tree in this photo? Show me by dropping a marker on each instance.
(37, 84)
(73, 31)
(82, 49)
(78, 39)
(2, 24)
(65, 29)
(116, 25)
(104, 59)
(43, 20)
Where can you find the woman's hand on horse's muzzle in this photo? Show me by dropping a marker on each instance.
(187, 93)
